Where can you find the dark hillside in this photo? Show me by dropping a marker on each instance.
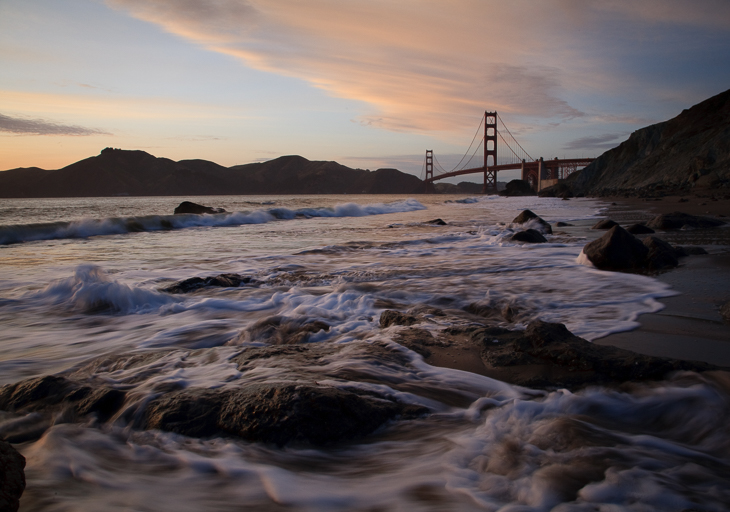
(687, 152)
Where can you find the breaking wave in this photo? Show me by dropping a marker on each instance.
(85, 228)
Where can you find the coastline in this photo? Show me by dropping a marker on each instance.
(690, 326)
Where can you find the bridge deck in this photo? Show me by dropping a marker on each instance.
(528, 166)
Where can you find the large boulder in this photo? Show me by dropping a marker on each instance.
(277, 413)
(639, 229)
(530, 236)
(531, 218)
(12, 477)
(679, 220)
(661, 254)
(517, 188)
(605, 224)
(194, 208)
(617, 249)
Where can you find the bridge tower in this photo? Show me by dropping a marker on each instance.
(429, 172)
(490, 149)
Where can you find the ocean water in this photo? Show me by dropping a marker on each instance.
(82, 279)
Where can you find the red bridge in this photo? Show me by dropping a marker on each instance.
(538, 173)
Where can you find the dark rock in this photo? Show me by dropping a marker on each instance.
(417, 340)
(194, 208)
(679, 220)
(279, 413)
(195, 283)
(47, 390)
(517, 188)
(436, 222)
(561, 190)
(562, 224)
(527, 216)
(661, 254)
(605, 224)
(530, 236)
(557, 358)
(639, 229)
(617, 249)
(390, 317)
(12, 477)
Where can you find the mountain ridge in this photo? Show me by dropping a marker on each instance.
(116, 172)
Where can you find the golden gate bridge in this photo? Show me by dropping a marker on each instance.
(539, 173)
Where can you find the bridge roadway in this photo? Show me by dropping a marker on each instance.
(526, 167)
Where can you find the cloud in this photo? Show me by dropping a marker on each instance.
(433, 66)
(20, 126)
(601, 142)
(419, 67)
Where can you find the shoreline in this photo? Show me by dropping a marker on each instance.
(690, 326)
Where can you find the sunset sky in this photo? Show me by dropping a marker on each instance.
(368, 83)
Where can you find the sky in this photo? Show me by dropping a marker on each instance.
(367, 83)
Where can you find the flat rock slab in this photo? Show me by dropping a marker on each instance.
(548, 355)
(276, 413)
(679, 220)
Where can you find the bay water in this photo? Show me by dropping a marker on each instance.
(82, 279)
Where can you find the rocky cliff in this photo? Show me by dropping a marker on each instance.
(137, 173)
(690, 151)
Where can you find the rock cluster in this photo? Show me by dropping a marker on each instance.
(536, 228)
(620, 250)
(280, 412)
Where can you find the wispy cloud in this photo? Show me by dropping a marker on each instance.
(24, 126)
(601, 142)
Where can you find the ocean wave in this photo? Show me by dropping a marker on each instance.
(91, 290)
(85, 228)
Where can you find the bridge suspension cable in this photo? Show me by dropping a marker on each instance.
(522, 154)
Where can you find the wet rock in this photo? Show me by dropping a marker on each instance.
(279, 330)
(548, 355)
(562, 224)
(639, 229)
(52, 392)
(679, 220)
(277, 413)
(195, 283)
(194, 208)
(617, 249)
(417, 340)
(516, 188)
(605, 224)
(661, 255)
(527, 216)
(12, 477)
(436, 222)
(391, 317)
(530, 236)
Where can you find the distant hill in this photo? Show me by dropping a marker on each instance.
(137, 173)
(690, 151)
